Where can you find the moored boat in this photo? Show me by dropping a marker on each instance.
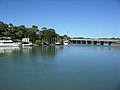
(66, 42)
(7, 42)
(57, 43)
(26, 42)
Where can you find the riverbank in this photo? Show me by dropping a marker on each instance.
(115, 44)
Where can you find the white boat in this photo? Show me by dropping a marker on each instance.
(7, 42)
(66, 42)
(57, 43)
(26, 42)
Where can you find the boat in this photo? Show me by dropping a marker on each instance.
(66, 42)
(57, 43)
(26, 42)
(7, 42)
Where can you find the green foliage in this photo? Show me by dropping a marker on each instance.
(38, 42)
(65, 37)
(48, 35)
(35, 35)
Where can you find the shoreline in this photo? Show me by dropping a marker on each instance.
(115, 44)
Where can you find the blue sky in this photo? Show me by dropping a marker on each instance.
(83, 18)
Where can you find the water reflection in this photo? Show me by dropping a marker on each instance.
(49, 51)
(26, 50)
(96, 47)
(45, 51)
(4, 50)
(74, 67)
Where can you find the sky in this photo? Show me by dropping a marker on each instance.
(77, 18)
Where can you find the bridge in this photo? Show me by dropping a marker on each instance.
(94, 41)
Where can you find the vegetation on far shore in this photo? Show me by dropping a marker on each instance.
(35, 34)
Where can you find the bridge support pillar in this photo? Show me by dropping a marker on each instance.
(109, 43)
(102, 43)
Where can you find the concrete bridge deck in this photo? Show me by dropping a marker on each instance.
(94, 41)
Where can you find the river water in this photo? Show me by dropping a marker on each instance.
(72, 67)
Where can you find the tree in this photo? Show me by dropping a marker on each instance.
(44, 28)
(10, 24)
(65, 37)
(19, 32)
(49, 35)
(3, 29)
(35, 28)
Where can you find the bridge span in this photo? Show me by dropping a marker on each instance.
(94, 41)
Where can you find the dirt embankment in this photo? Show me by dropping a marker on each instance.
(115, 44)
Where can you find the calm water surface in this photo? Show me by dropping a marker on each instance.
(72, 67)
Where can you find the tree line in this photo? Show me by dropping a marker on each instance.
(35, 34)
